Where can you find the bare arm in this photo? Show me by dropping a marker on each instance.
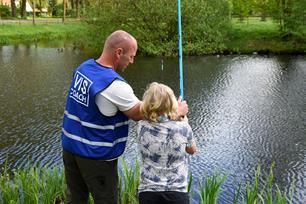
(193, 148)
(134, 113)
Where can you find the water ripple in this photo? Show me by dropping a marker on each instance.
(244, 110)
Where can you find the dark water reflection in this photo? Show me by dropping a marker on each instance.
(245, 110)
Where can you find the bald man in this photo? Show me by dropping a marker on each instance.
(95, 124)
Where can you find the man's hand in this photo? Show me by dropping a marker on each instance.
(182, 107)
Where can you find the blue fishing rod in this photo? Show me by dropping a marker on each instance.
(180, 49)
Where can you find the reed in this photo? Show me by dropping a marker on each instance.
(209, 191)
(190, 183)
(41, 185)
(129, 180)
(268, 193)
(32, 185)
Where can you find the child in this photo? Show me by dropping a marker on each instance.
(164, 139)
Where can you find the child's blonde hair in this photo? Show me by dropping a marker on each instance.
(159, 100)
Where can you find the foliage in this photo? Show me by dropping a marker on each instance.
(241, 8)
(205, 24)
(261, 7)
(4, 11)
(57, 10)
(259, 36)
(295, 19)
(289, 14)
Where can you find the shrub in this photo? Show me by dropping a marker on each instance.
(5, 11)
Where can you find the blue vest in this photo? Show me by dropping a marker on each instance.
(86, 132)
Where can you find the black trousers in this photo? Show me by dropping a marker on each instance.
(84, 176)
(164, 197)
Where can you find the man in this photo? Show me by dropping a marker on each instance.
(95, 125)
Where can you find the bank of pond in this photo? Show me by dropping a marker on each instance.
(38, 184)
(247, 37)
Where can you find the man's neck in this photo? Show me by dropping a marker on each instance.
(103, 61)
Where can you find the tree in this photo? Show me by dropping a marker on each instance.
(64, 10)
(13, 6)
(78, 8)
(261, 7)
(242, 8)
(295, 18)
(205, 24)
(23, 12)
(33, 8)
(291, 16)
(277, 10)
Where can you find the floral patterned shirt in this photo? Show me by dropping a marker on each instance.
(163, 162)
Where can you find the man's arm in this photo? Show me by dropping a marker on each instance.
(134, 113)
(119, 96)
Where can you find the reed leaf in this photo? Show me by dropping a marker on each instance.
(130, 179)
(189, 183)
(209, 192)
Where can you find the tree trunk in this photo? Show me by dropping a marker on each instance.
(83, 6)
(263, 17)
(13, 6)
(77, 8)
(64, 11)
(23, 12)
(33, 12)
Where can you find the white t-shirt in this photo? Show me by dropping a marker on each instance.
(119, 95)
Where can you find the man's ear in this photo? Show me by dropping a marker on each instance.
(119, 51)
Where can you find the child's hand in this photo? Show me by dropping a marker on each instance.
(182, 107)
(184, 118)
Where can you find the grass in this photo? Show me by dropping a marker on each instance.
(40, 185)
(25, 33)
(254, 35)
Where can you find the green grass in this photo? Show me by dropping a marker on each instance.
(254, 35)
(23, 33)
(40, 185)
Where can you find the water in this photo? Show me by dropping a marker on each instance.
(244, 110)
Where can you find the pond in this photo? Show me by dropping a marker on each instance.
(245, 110)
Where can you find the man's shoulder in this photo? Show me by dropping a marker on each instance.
(118, 86)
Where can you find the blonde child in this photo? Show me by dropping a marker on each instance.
(164, 140)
